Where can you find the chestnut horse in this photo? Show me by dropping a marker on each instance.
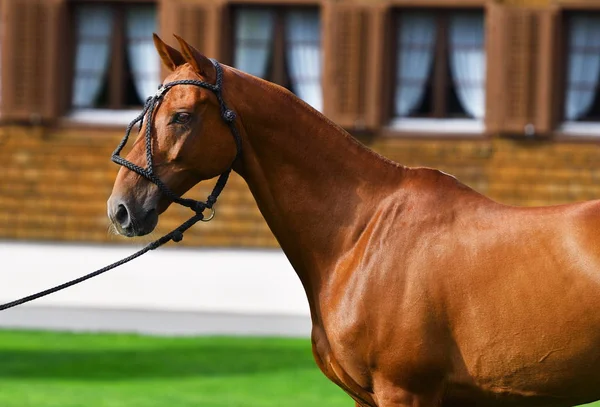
(422, 291)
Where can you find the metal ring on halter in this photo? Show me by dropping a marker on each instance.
(210, 217)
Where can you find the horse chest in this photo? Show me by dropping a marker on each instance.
(340, 371)
(362, 373)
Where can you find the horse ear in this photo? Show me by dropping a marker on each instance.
(199, 62)
(169, 55)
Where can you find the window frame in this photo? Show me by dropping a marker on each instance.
(116, 112)
(445, 128)
(568, 130)
(571, 128)
(440, 79)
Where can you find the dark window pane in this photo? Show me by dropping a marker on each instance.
(440, 79)
(582, 67)
(106, 35)
(131, 95)
(455, 107)
(102, 99)
(415, 62)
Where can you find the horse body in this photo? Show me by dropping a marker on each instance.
(421, 290)
(491, 305)
(524, 309)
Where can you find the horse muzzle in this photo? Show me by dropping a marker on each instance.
(131, 221)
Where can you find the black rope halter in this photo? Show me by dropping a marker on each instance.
(151, 104)
(197, 206)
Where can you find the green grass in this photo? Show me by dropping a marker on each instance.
(48, 369)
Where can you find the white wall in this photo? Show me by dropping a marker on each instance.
(239, 285)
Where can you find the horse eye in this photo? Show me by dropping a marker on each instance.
(182, 118)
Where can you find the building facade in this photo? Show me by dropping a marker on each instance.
(502, 94)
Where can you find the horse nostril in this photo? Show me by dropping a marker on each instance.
(122, 215)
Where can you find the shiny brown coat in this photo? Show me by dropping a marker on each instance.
(422, 292)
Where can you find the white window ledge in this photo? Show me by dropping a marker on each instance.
(588, 129)
(103, 116)
(434, 127)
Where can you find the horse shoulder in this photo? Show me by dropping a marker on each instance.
(377, 303)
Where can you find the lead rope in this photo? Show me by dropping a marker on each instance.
(198, 207)
(173, 235)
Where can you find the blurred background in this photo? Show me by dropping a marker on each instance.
(502, 94)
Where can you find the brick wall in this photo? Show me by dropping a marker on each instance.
(511, 171)
(55, 183)
(55, 186)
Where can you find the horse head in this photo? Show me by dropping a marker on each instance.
(189, 142)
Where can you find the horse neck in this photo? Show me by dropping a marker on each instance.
(315, 185)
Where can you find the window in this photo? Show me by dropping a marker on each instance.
(115, 64)
(439, 65)
(582, 101)
(281, 45)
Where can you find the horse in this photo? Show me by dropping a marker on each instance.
(422, 291)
